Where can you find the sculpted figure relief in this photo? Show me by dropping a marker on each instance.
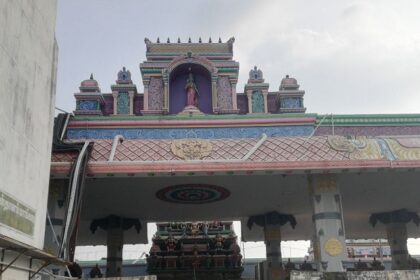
(192, 91)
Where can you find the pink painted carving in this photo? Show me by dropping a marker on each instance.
(155, 94)
(224, 93)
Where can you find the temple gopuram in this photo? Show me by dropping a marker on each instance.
(195, 250)
(188, 145)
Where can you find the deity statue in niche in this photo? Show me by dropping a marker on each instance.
(192, 91)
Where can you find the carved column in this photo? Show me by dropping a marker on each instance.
(265, 94)
(272, 240)
(115, 243)
(214, 92)
(249, 95)
(329, 234)
(234, 98)
(165, 95)
(115, 96)
(271, 222)
(114, 227)
(146, 95)
(397, 239)
(131, 95)
(396, 230)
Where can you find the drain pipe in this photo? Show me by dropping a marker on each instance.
(117, 138)
(259, 143)
(73, 189)
(65, 127)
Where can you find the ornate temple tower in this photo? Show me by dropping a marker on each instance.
(290, 98)
(123, 93)
(257, 92)
(89, 101)
(168, 66)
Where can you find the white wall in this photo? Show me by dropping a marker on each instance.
(28, 55)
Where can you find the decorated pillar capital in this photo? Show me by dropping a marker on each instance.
(401, 216)
(396, 231)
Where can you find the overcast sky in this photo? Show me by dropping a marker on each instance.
(349, 56)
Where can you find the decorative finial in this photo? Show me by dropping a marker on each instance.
(220, 40)
(199, 40)
(179, 40)
(124, 68)
(91, 76)
(189, 39)
(168, 41)
(255, 67)
(158, 40)
(210, 40)
(147, 41)
(287, 76)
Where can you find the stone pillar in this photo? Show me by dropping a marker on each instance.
(234, 98)
(214, 92)
(165, 95)
(249, 95)
(114, 227)
(396, 231)
(265, 94)
(397, 239)
(115, 95)
(131, 95)
(146, 96)
(115, 243)
(272, 240)
(329, 240)
(271, 222)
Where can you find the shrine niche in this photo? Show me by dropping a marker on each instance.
(190, 86)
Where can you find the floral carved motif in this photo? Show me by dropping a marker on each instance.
(404, 149)
(224, 93)
(358, 148)
(155, 94)
(191, 149)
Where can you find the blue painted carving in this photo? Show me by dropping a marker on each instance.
(291, 102)
(88, 105)
(257, 102)
(123, 103)
(386, 151)
(182, 133)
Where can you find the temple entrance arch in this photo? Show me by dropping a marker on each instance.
(177, 92)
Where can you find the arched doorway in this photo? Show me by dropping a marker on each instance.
(177, 81)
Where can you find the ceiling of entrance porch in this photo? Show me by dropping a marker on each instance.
(362, 195)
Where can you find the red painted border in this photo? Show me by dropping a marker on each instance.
(320, 166)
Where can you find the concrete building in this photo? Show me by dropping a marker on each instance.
(28, 59)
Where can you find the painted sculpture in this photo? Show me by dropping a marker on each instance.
(192, 91)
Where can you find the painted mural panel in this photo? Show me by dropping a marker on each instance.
(155, 94)
(224, 93)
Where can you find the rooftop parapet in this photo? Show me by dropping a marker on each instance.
(166, 51)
